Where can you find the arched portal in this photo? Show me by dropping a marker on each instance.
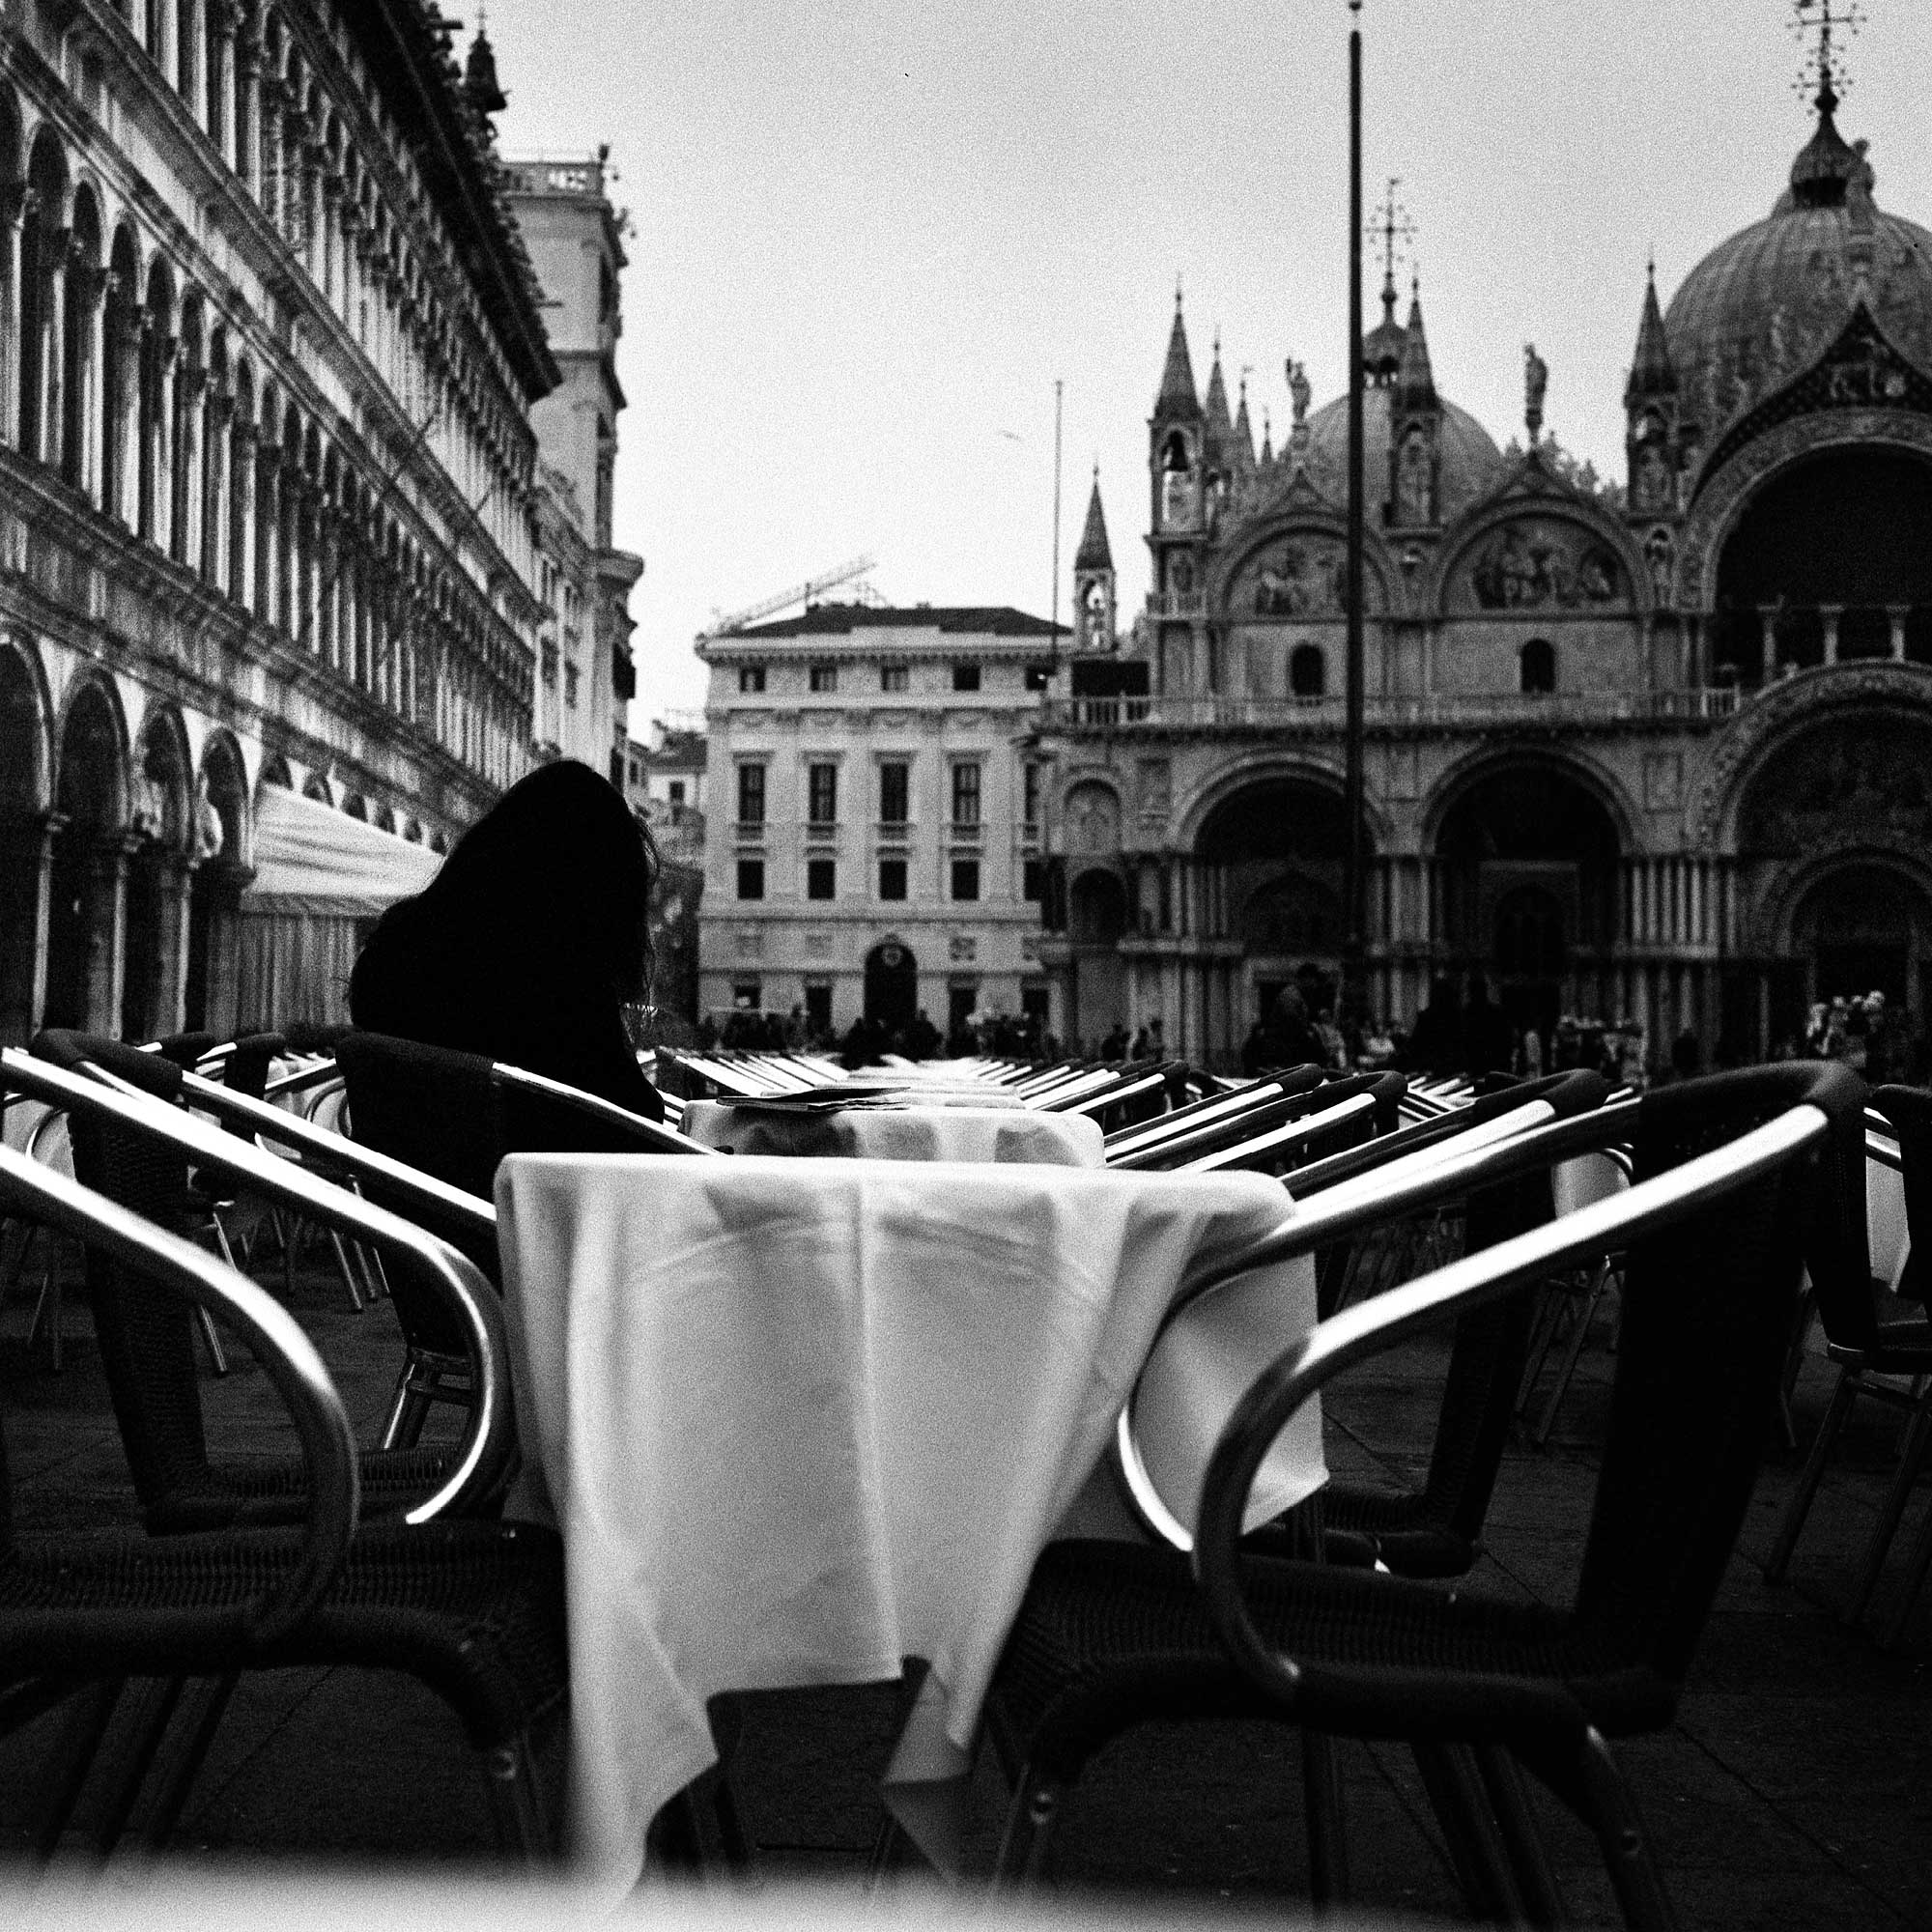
(892, 986)
(84, 915)
(1833, 560)
(1275, 854)
(1835, 861)
(1528, 862)
(22, 845)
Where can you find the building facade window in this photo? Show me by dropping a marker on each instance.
(750, 878)
(1032, 880)
(675, 791)
(818, 1006)
(751, 680)
(825, 677)
(1307, 672)
(747, 993)
(751, 794)
(1538, 667)
(965, 880)
(821, 879)
(1029, 795)
(966, 794)
(965, 677)
(891, 878)
(894, 792)
(894, 677)
(822, 793)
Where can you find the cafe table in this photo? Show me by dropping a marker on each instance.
(932, 1129)
(799, 1420)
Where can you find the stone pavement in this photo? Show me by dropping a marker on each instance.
(1794, 1791)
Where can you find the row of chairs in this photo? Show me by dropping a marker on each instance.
(1492, 1155)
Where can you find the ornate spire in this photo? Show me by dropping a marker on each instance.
(1652, 372)
(1178, 399)
(1416, 381)
(1381, 346)
(1244, 435)
(1267, 439)
(479, 74)
(1094, 552)
(1827, 165)
(1219, 422)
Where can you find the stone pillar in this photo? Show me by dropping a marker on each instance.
(123, 406)
(220, 116)
(26, 854)
(248, 136)
(1897, 613)
(91, 416)
(13, 204)
(53, 339)
(1830, 613)
(106, 916)
(267, 531)
(1766, 642)
(241, 460)
(191, 386)
(166, 349)
(171, 938)
(214, 540)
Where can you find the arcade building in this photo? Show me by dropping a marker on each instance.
(1659, 752)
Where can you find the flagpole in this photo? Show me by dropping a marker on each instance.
(1354, 989)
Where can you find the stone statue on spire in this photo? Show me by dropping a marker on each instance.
(1299, 390)
(1535, 381)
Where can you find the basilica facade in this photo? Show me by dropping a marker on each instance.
(1658, 753)
(269, 348)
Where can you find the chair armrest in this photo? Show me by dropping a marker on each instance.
(472, 1303)
(1371, 1327)
(420, 1190)
(273, 1336)
(651, 1136)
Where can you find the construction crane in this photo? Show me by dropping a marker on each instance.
(800, 593)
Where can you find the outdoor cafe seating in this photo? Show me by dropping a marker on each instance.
(1027, 1389)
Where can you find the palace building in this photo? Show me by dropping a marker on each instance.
(1660, 751)
(269, 343)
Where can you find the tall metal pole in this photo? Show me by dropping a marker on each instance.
(1053, 635)
(1354, 879)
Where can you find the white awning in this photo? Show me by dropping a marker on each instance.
(309, 858)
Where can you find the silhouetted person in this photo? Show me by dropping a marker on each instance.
(1488, 1042)
(529, 941)
(1292, 1038)
(922, 1038)
(1436, 1044)
(1687, 1056)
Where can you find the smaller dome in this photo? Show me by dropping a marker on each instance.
(1471, 465)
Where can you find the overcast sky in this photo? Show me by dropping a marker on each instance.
(868, 236)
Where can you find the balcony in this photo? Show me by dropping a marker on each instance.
(893, 832)
(1313, 715)
(1177, 603)
(966, 831)
(821, 832)
(748, 832)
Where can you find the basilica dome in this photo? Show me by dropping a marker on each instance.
(1762, 305)
(1472, 464)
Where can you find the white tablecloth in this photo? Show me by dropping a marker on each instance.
(798, 1420)
(923, 1132)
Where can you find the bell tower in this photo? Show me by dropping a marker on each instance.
(1653, 435)
(1093, 580)
(1415, 435)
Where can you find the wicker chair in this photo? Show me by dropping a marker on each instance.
(473, 1609)
(133, 1143)
(1113, 1635)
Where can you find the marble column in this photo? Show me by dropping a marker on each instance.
(219, 413)
(191, 385)
(53, 341)
(107, 935)
(241, 463)
(26, 863)
(90, 414)
(12, 205)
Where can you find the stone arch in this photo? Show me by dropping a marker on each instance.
(1601, 785)
(40, 238)
(316, 786)
(1783, 712)
(1265, 767)
(12, 171)
(25, 766)
(275, 772)
(1089, 817)
(1723, 496)
(1542, 550)
(1261, 570)
(355, 806)
(119, 455)
(80, 377)
(88, 861)
(385, 819)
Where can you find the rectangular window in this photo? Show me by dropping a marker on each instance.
(965, 677)
(822, 793)
(747, 993)
(1038, 677)
(820, 879)
(675, 791)
(1029, 794)
(571, 675)
(825, 677)
(751, 794)
(894, 792)
(750, 878)
(1032, 880)
(965, 794)
(891, 878)
(965, 878)
(750, 679)
(893, 677)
